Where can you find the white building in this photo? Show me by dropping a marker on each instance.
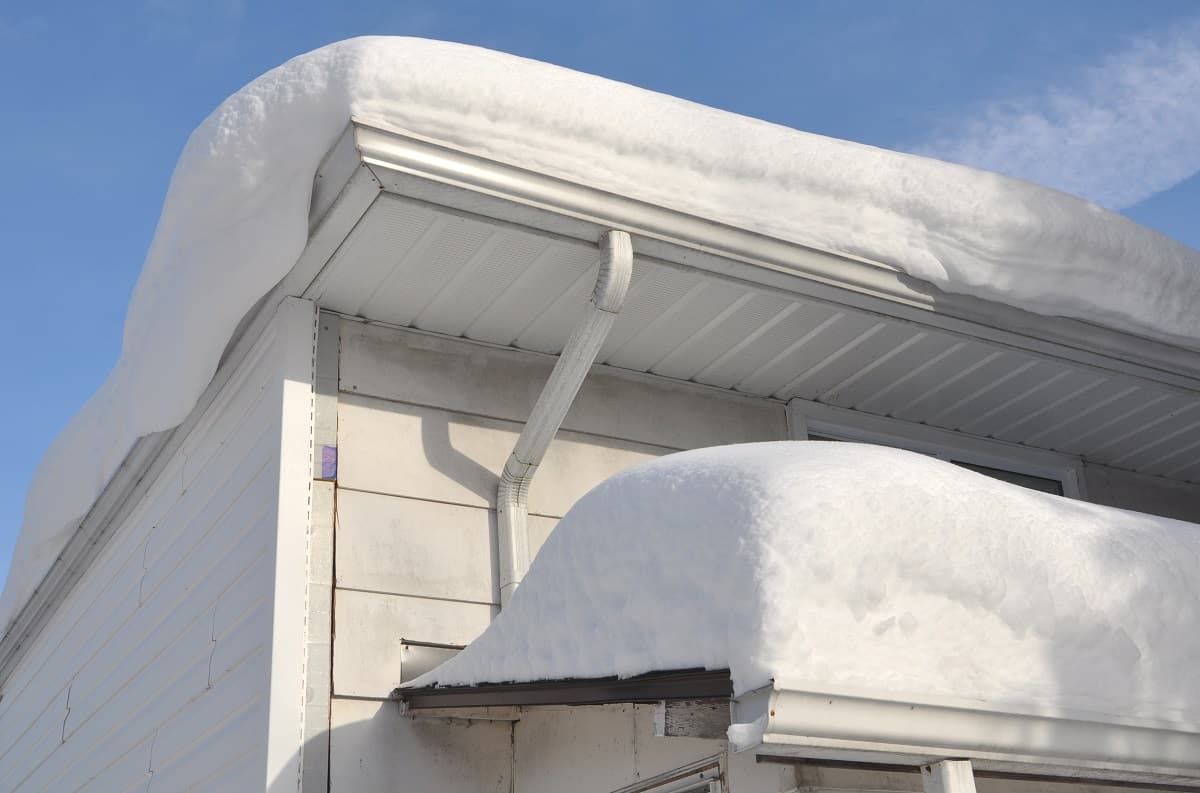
(250, 587)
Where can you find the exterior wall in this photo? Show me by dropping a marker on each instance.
(1141, 493)
(157, 670)
(424, 427)
(614, 746)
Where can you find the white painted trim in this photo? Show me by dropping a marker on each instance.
(812, 418)
(297, 336)
(883, 729)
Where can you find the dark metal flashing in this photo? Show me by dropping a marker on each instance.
(652, 687)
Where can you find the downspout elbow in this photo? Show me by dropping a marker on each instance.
(578, 355)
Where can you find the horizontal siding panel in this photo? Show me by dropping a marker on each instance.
(385, 447)
(504, 384)
(376, 749)
(187, 595)
(150, 668)
(209, 497)
(410, 547)
(26, 750)
(210, 746)
(370, 625)
(77, 640)
(135, 639)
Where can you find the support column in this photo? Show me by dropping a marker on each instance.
(948, 776)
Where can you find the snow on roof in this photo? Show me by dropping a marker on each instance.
(838, 566)
(235, 220)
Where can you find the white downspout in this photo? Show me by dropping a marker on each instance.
(512, 498)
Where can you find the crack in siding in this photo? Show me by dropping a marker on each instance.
(212, 650)
(150, 766)
(67, 715)
(145, 569)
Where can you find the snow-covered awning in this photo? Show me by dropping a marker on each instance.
(873, 603)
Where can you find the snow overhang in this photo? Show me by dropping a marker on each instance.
(459, 244)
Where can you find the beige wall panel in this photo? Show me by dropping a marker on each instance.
(470, 378)
(374, 749)
(387, 447)
(368, 627)
(411, 547)
(555, 749)
(1142, 493)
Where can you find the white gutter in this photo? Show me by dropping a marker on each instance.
(512, 497)
(878, 728)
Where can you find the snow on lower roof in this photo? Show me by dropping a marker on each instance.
(235, 220)
(838, 566)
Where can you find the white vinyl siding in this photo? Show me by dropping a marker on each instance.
(157, 667)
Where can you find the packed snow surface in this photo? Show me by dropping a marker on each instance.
(837, 566)
(236, 218)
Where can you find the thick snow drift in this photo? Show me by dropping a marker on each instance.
(827, 566)
(235, 220)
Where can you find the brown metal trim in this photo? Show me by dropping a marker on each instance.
(652, 687)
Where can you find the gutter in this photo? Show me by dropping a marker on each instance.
(512, 496)
(807, 726)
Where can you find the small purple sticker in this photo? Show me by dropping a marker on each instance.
(329, 462)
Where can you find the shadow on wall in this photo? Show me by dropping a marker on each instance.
(375, 749)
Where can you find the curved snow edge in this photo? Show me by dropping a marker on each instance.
(846, 567)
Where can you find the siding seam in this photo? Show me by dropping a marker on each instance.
(312, 414)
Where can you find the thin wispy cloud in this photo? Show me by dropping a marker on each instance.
(1117, 133)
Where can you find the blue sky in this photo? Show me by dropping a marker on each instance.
(1101, 97)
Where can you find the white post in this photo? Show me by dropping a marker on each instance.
(948, 776)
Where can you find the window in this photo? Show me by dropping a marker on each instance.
(1036, 469)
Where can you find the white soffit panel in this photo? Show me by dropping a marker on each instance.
(413, 265)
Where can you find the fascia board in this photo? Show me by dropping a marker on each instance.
(883, 730)
(443, 175)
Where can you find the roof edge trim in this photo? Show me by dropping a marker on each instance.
(437, 172)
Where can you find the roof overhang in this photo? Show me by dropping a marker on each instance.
(447, 241)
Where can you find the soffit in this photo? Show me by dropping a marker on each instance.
(413, 264)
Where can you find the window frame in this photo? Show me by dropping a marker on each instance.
(810, 418)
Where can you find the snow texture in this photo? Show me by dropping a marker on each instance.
(235, 220)
(838, 566)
